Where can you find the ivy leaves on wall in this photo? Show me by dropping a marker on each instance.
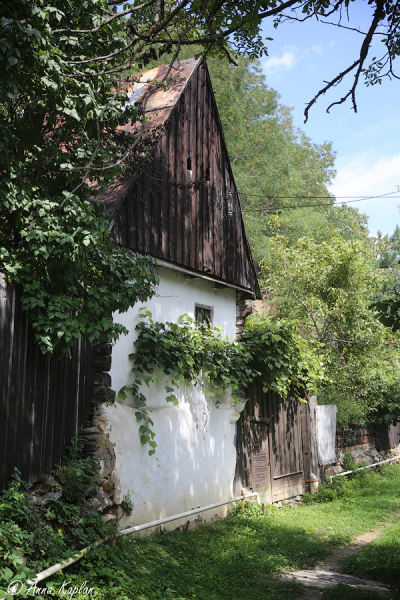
(269, 349)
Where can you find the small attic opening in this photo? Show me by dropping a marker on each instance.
(189, 163)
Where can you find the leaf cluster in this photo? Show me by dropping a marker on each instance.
(59, 142)
(183, 352)
(199, 355)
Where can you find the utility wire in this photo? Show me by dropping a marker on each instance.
(272, 207)
(360, 196)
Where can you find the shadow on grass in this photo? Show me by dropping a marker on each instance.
(346, 592)
(380, 561)
(233, 559)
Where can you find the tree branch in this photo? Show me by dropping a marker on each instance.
(278, 9)
(107, 21)
(359, 64)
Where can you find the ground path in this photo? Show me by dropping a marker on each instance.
(327, 573)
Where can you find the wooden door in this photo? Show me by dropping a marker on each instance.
(287, 448)
(260, 460)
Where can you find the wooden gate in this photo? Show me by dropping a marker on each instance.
(275, 445)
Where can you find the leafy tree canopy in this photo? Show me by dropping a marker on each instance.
(54, 239)
(62, 66)
(387, 299)
(328, 288)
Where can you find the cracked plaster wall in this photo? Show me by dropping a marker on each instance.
(194, 464)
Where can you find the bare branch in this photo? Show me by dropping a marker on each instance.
(359, 64)
(353, 28)
(330, 84)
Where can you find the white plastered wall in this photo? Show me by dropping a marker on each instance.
(195, 459)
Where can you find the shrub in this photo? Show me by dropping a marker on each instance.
(43, 533)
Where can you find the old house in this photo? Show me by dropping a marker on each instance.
(182, 208)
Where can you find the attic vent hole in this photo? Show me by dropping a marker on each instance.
(208, 174)
(189, 164)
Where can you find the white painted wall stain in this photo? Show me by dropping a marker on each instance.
(195, 440)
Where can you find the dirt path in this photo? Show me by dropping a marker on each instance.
(328, 573)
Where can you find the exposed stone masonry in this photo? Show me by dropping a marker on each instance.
(95, 438)
(244, 308)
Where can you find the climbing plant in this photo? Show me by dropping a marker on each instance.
(269, 349)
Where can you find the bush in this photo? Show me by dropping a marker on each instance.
(44, 533)
(340, 487)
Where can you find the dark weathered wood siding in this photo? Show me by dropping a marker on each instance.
(43, 402)
(276, 451)
(388, 436)
(199, 227)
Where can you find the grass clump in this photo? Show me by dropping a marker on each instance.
(344, 487)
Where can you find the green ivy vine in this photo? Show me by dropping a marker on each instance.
(268, 349)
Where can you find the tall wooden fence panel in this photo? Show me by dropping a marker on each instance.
(43, 401)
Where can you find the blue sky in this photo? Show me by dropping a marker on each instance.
(301, 57)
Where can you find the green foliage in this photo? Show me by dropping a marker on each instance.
(212, 562)
(56, 119)
(285, 361)
(45, 533)
(12, 538)
(183, 352)
(328, 492)
(127, 505)
(348, 462)
(387, 300)
(269, 349)
(252, 510)
(220, 560)
(328, 288)
(344, 487)
(76, 473)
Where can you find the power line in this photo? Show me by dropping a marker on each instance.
(360, 196)
(271, 207)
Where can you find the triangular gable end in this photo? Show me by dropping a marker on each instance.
(183, 208)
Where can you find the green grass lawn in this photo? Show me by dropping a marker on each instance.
(236, 558)
(380, 559)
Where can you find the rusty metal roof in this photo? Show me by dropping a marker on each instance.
(160, 102)
(158, 98)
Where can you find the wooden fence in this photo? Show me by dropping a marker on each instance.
(43, 401)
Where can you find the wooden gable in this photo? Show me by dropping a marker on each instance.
(183, 208)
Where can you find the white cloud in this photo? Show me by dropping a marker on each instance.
(365, 177)
(289, 57)
(284, 62)
(317, 50)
